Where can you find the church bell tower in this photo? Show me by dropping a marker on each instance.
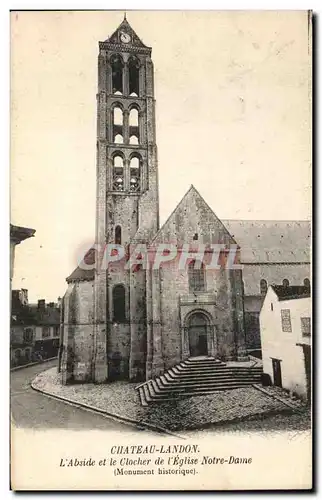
(127, 208)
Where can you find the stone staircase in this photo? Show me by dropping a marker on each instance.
(196, 377)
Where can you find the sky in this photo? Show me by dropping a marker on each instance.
(232, 117)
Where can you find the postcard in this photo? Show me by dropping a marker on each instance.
(160, 235)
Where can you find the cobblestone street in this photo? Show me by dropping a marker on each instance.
(30, 409)
(221, 410)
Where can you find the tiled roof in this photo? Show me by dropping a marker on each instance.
(291, 292)
(261, 241)
(46, 316)
(125, 28)
(30, 315)
(271, 241)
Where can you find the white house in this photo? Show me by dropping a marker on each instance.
(285, 326)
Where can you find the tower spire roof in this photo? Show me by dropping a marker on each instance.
(125, 36)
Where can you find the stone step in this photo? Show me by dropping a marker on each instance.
(165, 385)
(197, 387)
(202, 373)
(182, 369)
(202, 358)
(187, 369)
(191, 366)
(197, 377)
(203, 363)
(153, 389)
(142, 397)
(148, 396)
(188, 380)
(231, 373)
(170, 395)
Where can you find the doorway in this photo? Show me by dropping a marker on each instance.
(277, 372)
(198, 325)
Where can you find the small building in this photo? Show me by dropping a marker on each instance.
(35, 329)
(285, 326)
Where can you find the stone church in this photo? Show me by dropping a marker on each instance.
(135, 322)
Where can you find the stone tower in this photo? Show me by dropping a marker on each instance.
(127, 208)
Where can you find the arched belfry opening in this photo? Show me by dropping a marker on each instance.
(134, 76)
(117, 74)
(118, 173)
(135, 174)
(118, 125)
(134, 129)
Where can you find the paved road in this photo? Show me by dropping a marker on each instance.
(30, 409)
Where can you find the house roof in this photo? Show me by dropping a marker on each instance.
(291, 292)
(19, 233)
(46, 316)
(30, 315)
(272, 241)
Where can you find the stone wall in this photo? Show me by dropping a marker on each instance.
(177, 302)
(77, 357)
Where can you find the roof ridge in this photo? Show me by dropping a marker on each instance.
(125, 25)
(191, 188)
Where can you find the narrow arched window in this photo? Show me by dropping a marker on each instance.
(307, 283)
(117, 74)
(118, 235)
(117, 116)
(134, 129)
(119, 303)
(118, 173)
(263, 287)
(135, 174)
(286, 283)
(118, 125)
(196, 277)
(134, 76)
(134, 118)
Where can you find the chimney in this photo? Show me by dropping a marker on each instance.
(42, 304)
(24, 296)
